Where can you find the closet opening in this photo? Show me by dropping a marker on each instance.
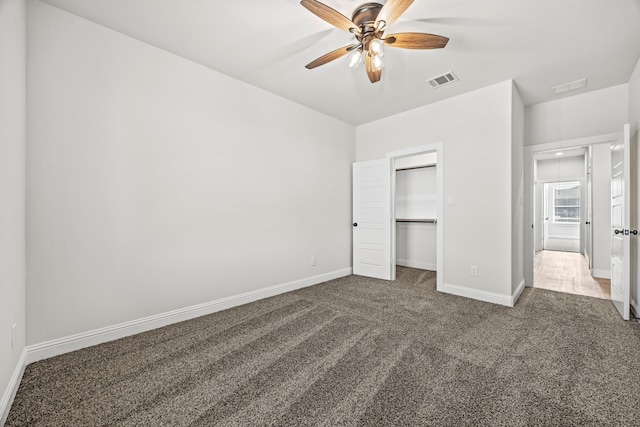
(416, 213)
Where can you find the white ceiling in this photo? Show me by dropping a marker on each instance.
(267, 43)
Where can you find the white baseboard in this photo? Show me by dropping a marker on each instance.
(601, 274)
(518, 291)
(417, 264)
(635, 307)
(98, 336)
(486, 296)
(12, 387)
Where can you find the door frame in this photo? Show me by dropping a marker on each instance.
(588, 232)
(438, 148)
(542, 196)
(529, 190)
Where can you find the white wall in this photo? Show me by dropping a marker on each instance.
(155, 183)
(560, 169)
(416, 193)
(593, 113)
(634, 119)
(416, 245)
(12, 187)
(475, 129)
(634, 95)
(601, 209)
(517, 189)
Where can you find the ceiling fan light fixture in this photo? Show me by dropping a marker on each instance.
(377, 63)
(355, 58)
(376, 47)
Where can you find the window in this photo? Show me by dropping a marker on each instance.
(566, 203)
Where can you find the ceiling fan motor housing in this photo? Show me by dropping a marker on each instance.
(365, 18)
(366, 14)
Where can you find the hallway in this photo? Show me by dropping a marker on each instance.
(568, 272)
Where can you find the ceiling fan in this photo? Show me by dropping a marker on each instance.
(368, 23)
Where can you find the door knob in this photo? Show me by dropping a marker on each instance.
(618, 231)
(355, 224)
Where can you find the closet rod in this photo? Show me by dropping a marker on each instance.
(416, 167)
(427, 221)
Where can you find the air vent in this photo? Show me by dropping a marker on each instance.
(578, 84)
(442, 80)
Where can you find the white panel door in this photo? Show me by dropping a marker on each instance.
(372, 219)
(620, 221)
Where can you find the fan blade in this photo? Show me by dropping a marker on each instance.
(416, 41)
(374, 75)
(330, 56)
(392, 10)
(330, 15)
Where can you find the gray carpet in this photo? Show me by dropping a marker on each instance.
(355, 351)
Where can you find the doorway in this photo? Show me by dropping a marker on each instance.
(417, 194)
(561, 265)
(561, 205)
(562, 220)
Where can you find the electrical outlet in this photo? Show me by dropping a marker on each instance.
(474, 270)
(313, 261)
(13, 335)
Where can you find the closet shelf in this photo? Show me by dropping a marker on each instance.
(424, 220)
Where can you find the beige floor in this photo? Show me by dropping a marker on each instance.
(568, 272)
